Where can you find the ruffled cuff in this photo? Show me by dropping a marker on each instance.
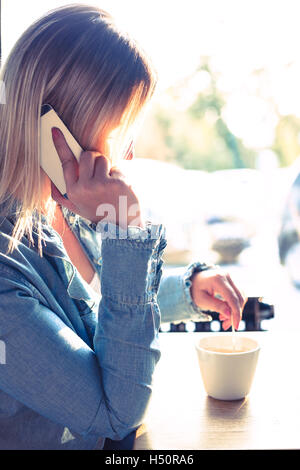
(112, 231)
(133, 268)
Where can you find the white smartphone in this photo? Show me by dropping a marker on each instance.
(50, 161)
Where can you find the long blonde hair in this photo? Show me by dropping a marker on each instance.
(96, 78)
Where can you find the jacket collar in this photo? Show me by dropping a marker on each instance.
(52, 245)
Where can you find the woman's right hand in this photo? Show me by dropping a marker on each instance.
(95, 189)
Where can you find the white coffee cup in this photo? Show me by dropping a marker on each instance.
(227, 375)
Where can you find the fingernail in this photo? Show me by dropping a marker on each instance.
(55, 132)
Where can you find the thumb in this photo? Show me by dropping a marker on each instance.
(60, 199)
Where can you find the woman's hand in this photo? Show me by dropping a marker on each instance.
(207, 284)
(95, 189)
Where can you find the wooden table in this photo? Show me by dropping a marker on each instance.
(181, 416)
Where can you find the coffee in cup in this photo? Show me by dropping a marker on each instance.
(227, 368)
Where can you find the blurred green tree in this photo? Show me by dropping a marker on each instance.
(197, 137)
(187, 126)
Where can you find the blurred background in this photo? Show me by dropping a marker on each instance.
(218, 152)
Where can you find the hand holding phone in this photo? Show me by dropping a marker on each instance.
(81, 181)
(95, 190)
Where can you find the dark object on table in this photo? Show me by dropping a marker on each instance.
(255, 311)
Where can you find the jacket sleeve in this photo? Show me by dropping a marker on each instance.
(101, 391)
(174, 296)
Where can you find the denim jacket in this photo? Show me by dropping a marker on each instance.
(76, 367)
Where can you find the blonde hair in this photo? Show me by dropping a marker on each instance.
(95, 77)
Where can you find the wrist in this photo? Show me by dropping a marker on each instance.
(134, 222)
(192, 270)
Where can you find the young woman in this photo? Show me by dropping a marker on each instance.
(77, 362)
